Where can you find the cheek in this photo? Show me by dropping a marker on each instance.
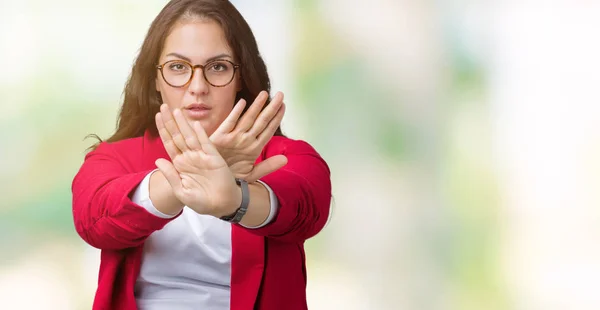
(226, 96)
(225, 108)
(171, 96)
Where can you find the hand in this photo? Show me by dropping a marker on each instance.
(240, 141)
(199, 176)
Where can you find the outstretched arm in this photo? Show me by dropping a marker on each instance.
(103, 213)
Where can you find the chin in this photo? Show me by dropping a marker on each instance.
(208, 126)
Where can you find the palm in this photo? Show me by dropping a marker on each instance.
(240, 139)
(240, 157)
(198, 174)
(202, 175)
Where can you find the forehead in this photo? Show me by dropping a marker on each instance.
(198, 40)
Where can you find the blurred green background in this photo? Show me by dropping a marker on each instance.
(463, 138)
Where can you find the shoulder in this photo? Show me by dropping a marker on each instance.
(298, 152)
(134, 154)
(125, 153)
(285, 145)
(122, 147)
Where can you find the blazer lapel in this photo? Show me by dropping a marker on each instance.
(247, 267)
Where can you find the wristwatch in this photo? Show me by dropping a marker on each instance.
(237, 216)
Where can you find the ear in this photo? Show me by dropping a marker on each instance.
(156, 84)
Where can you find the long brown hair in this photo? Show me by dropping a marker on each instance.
(141, 100)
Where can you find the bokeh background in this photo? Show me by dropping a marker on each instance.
(463, 138)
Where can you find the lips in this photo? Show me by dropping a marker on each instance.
(197, 107)
(197, 111)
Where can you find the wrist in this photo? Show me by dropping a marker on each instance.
(161, 195)
(241, 202)
(260, 207)
(239, 169)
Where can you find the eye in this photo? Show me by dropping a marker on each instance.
(219, 66)
(178, 66)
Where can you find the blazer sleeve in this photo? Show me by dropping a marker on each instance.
(303, 188)
(103, 213)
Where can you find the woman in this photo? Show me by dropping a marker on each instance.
(201, 231)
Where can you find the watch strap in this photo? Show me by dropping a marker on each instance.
(237, 216)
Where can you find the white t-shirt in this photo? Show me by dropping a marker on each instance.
(187, 264)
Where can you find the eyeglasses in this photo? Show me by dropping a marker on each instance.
(178, 73)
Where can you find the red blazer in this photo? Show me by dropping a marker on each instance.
(268, 269)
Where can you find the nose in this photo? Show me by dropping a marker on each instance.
(198, 84)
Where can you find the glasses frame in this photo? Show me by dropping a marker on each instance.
(160, 67)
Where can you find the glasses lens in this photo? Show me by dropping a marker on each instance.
(219, 72)
(177, 73)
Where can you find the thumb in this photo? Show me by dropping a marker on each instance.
(171, 174)
(267, 166)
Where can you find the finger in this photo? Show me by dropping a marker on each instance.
(171, 174)
(188, 134)
(229, 123)
(266, 135)
(172, 127)
(267, 166)
(206, 144)
(267, 115)
(168, 143)
(248, 119)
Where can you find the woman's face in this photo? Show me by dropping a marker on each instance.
(198, 43)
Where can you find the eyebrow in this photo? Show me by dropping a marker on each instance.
(223, 55)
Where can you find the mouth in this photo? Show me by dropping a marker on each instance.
(197, 111)
(197, 107)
